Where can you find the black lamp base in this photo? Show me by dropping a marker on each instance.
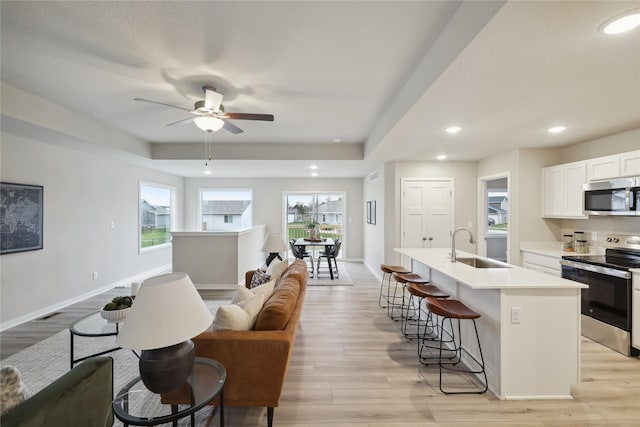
(165, 369)
(272, 256)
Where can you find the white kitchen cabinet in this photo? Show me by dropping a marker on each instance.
(630, 163)
(603, 167)
(563, 195)
(543, 263)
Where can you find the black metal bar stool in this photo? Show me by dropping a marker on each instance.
(420, 291)
(402, 279)
(449, 309)
(388, 270)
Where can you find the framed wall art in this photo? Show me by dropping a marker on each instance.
(21, 217)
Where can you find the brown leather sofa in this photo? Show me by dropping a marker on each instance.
(257, 360)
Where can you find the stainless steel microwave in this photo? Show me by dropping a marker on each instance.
(613, 197)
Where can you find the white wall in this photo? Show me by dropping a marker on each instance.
(83, 193)
(268, 204)
(373, 189)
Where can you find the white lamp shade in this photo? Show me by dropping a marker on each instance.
(274, 243)
(167, 310)
(209, 123)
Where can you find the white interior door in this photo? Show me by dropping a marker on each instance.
(426, 213)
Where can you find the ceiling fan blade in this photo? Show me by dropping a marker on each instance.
(181, 122)
(231, 127)
(161, 103)
(249, 116)
(212, 99)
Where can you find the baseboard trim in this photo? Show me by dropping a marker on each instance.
(126, 282)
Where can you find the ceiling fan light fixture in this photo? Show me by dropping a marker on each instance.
(209, 123)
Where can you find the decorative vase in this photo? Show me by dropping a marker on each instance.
(313, 233)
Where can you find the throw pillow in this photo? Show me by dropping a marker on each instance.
(276, 268)
(238, 317)
(12, 389)
(266, 290)
(233, 317)
(242, 294)
(259, 278)
(252, 306)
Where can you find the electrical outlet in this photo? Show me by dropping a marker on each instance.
(95, 275)
(516, 314)
(594, 236)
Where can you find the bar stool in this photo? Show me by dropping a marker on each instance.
(420, 291)
(388, 270)
(402, 278)
(454, 309)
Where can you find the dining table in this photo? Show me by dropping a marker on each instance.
(315, 244)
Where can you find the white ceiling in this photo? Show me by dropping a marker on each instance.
(388, 76)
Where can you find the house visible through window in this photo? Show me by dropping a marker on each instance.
(225, 209)
(155, 212)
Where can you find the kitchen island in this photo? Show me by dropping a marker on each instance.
(530, 324)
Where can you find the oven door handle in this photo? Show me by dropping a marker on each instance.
(596, 269)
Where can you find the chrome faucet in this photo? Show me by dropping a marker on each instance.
(453, 241)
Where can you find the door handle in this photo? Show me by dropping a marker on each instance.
(424, 239)
(430, 238)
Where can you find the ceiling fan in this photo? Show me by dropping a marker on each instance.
(209, 114)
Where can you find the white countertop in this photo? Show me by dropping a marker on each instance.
(486, 278)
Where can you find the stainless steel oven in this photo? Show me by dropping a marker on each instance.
(606, 306)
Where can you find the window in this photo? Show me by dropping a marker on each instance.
(325, 208)
(226, 209)
(156, 209)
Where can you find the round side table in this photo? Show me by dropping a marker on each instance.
(136, 405)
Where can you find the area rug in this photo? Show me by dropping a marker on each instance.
(325, 280)
(44, 362)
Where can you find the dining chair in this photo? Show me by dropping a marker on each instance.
(300, 252)
(331, 253)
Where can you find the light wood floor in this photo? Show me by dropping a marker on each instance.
(351, 367)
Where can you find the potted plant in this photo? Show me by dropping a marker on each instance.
(313, 229)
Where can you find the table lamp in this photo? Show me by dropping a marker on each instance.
(273, 245)
(166, 314)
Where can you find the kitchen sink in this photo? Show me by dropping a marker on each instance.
(480, 263)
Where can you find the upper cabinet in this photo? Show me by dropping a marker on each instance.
(603, 168)
(563, 195)
(630, 163)
(616, 166)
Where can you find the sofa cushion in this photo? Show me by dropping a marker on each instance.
(277, 309)
(240, 316)
(297, 270)
(266, 290)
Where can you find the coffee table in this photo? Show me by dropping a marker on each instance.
(136, 405)
(92, 325)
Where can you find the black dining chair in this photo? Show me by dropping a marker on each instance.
(331, 253)
(300, 252)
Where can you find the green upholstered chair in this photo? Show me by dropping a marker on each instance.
(80, 398)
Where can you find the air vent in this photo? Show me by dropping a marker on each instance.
(373, 176)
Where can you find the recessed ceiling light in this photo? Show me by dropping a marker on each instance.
(336, 140)
(207, 172)
(441, 157)
(556, 129)
(622, 23)
(314, 174)
(314, 167)
(453, 129)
